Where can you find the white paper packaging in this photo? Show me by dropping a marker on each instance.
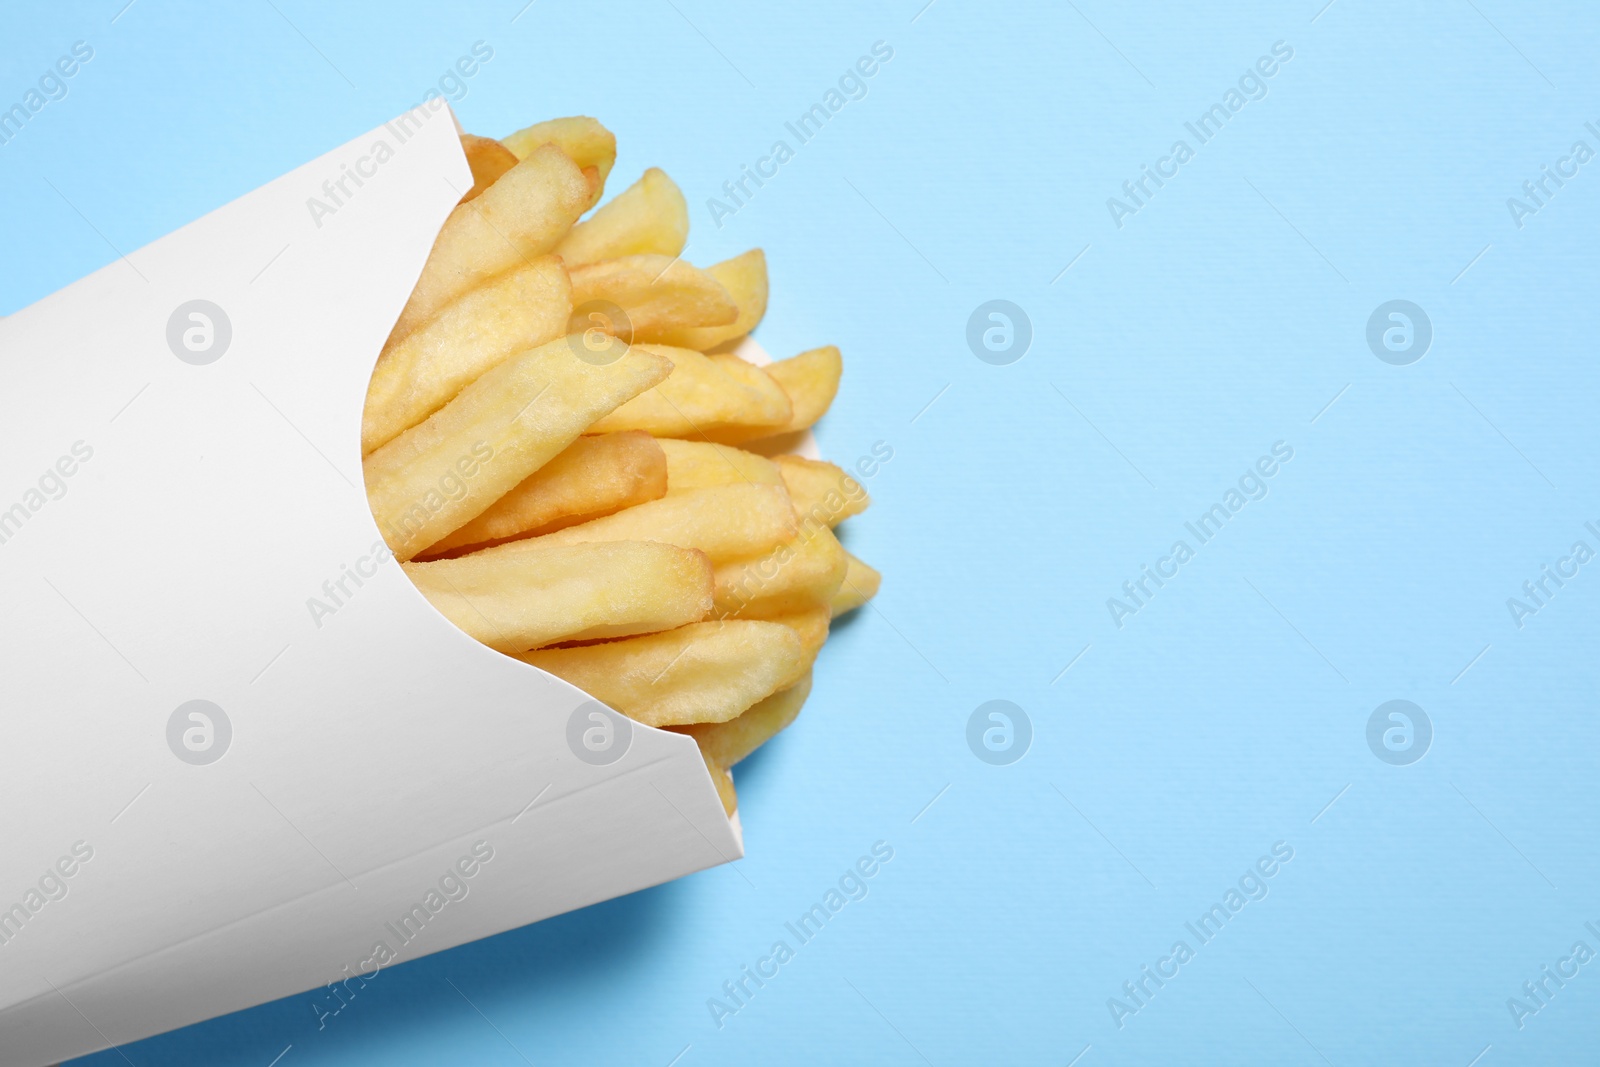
(180, 484)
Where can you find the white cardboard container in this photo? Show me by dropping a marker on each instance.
(376, 753)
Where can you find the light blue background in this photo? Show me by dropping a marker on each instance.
(1225, 316)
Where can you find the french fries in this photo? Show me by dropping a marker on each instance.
(650, 217)
(745, 279)
(770, 400)
(653, 293)
(820, 490)
(550, 441)
(698, 464)
(593, 477)
(797, 575)
(550, 593)
(705, 398)
(489, 159)
(723, 781)
(703, 672)
(725, 744)
(859, 586)
(419, 373)
(522, 215)
(810, 381)
(586, 142)
(436, 476)
(811, 626)
(726, 522)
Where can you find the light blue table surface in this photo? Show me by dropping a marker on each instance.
(1175, 340)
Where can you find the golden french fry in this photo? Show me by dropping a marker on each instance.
(724, 744)
(810, 625)
(650, 217)
(567, 592)
(745, 279)
(811, 380)
(724, 783)
(523, 215)
(821, 491)
(584, 140)
(698, 464)
(798, 575)
(701, 400)
(770, 398)
(437, 476)
(420, 372)
(655, 294)
(703, 672)
(489, 160)
(726, 522)
(549, 450)
(859, 586)
(594, 476)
